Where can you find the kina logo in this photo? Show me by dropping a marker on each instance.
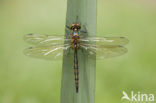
(138, 97)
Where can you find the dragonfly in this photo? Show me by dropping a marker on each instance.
(50, 47)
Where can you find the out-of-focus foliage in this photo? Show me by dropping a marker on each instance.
(28, 80)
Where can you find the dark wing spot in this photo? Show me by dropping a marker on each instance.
(122, 37)
(30, 47)
(120, 46)
(30, 34)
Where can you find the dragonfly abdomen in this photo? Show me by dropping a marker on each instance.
(76, 72)
(76, 79)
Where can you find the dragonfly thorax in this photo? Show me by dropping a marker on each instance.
(75, 39)
(75, 33)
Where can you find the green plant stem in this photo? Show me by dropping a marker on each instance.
(83, 12)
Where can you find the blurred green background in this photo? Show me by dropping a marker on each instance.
(28, 80)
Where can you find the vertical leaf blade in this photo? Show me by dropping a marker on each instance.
(83, 12)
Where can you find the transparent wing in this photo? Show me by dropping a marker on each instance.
(105, 40)
(41, 39)
(53, 52)
(104, 51)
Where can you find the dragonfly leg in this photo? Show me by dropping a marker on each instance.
(83, 30)
(67, 26)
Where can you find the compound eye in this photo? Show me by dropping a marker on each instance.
(78, 26)
(71, 27)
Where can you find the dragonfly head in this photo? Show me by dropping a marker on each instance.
(75, 27)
